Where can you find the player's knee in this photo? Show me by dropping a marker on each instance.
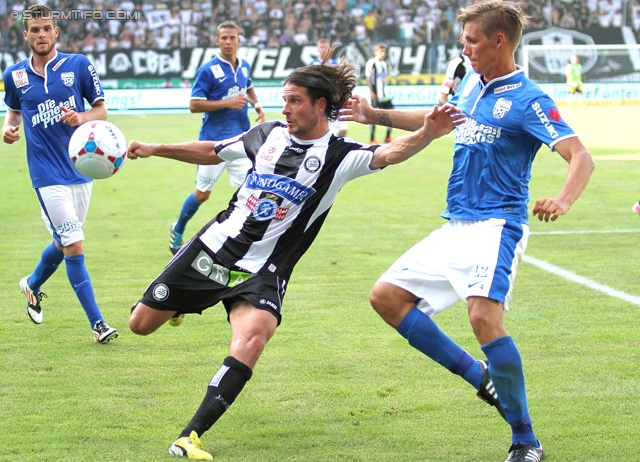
(382, 300)
(137, 322)
(201, 196)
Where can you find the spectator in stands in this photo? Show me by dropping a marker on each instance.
(636, 25)
(585, 18)
(568, 21)
(371, 23)
(301, 37)
(274, 40)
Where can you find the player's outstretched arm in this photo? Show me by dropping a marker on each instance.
(192, 152)
(436, 123)
(359, 110)
(580, 168)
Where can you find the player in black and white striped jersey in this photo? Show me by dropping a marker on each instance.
(244, 257)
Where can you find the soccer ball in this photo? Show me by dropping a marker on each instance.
(97, 149)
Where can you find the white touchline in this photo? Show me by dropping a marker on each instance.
(582, 280)
(602, 231)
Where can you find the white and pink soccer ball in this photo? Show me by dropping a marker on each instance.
(98, 149)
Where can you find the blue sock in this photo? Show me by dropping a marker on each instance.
(424, 335)
(505, 368)
(81, 283)
(189, 209)
(48, 264)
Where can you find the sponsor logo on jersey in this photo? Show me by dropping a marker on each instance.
(312, 164)
(266, 208)
(281, 186)
(471, 132)
(235, 91)
(501, 108)
(67, 78)
(24, 90)
(504, 88)
(20, 77)
(545, 120)
(554, 114)
(49, 112)
(204, 265)
(160, 292)
(217, 71)
(244, 72)
(96, 79)
(295, 149)
(58, 64)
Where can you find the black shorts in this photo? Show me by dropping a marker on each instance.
(383, 105)
(195, 280)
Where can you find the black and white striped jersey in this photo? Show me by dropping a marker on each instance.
(276, 214)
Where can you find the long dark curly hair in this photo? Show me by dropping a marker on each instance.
(332, 82)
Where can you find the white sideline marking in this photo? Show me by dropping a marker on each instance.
(611, 231)
(582, 280)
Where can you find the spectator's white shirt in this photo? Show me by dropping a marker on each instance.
(127, 5)
(190, 35)
(432, 4)
(636, 21)
(616, 19)
(100, 43)
(407, 30)
(300, 38)
(276, 13)
(360, 31)
(357, 12)
(147, 6)
(114, 26)
(261, 7)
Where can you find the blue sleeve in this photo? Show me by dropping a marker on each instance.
(201, 84)
(249, 81)
(10, 93)
(542, 120)
(91, 86)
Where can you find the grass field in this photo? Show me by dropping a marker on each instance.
(335, 383)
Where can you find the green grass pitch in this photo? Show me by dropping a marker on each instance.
(335, 383)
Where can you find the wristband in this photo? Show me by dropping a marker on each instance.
(257, 106)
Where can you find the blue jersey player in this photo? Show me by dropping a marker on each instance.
(221, 91)
(475, 255)
(48, 91)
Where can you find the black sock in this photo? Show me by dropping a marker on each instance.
(223, 389)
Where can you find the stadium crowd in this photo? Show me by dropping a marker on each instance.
(275, 23)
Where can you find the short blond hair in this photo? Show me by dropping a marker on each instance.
(496, 16)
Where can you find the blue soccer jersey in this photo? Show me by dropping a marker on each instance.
(216, 81)
(508, 120)
(68, 80)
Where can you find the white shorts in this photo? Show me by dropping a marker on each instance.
(459, 260)
(208, 175)
(64, 210)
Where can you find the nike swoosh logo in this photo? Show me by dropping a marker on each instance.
(222, 79)
(475, 283)
(24, 90)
